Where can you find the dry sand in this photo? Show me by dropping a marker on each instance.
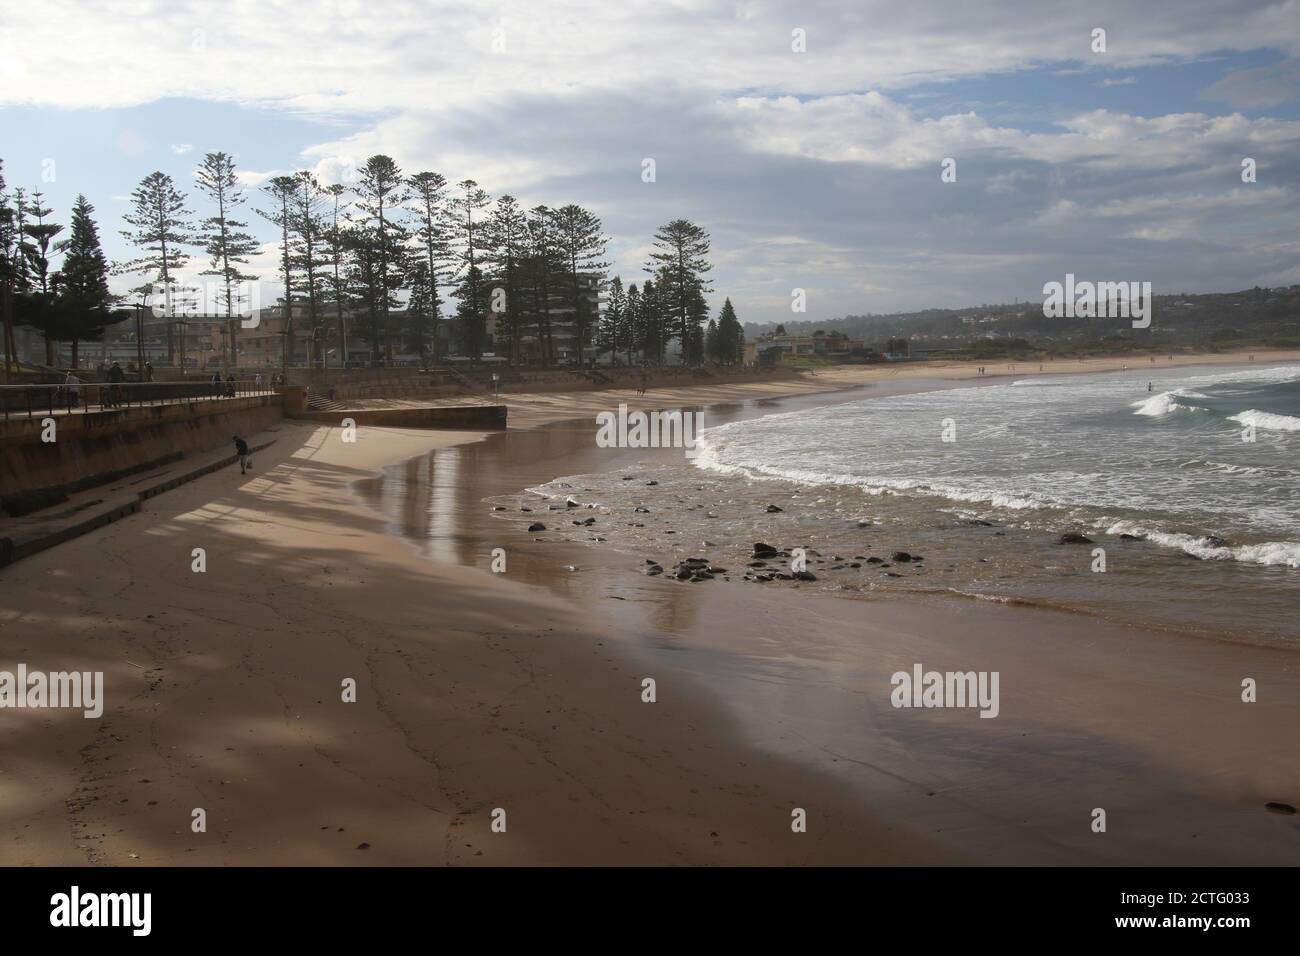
(479, 691)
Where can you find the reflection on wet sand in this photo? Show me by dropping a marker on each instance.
(807, 677)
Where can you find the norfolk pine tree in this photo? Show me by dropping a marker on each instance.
(224, 239)
(582, 248)
(680, 264)
(282, 190)
(82, 297)
(160, 228)
(430, 205)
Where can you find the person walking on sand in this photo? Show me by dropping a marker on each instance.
(245, 460)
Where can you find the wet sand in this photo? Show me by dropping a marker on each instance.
(522, 691)
(1147, 725)
(475, 692)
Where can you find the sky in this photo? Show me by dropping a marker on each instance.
(814, 169)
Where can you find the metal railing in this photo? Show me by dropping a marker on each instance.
(19, 401)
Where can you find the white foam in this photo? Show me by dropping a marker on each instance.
(1270, 553)
(1157, 406)
(1267, 420)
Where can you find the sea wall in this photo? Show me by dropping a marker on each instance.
(475, 417)
(95, 447)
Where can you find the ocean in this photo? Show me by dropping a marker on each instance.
(1184, 481)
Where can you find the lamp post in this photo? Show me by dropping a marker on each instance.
(139, 336)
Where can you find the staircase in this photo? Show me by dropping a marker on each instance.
(320, 403)
(465, 380)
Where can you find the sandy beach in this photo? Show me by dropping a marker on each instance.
(523, 690)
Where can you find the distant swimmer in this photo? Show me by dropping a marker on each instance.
(1148, 386)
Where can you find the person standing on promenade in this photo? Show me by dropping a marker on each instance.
(72, 390)
(115, 377)
(241, 449)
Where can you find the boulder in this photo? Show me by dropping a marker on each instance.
(1074, 537)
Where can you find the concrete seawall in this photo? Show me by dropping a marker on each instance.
(94, 447)
(475, 417)
(481, 417)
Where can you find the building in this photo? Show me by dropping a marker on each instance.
(561, 330)
(823, 344)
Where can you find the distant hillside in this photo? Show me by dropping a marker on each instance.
(1252, 317)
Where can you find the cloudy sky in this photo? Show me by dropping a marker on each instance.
(817, 170)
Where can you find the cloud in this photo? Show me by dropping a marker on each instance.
(1262, 88)
(251, 178)
(180, 149)
(817, 170)
(307, 56)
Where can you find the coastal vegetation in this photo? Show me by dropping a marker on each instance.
(403, 253)
(1258, 317)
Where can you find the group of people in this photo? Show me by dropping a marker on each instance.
(226, 387)
(112, 393)
(115, 379)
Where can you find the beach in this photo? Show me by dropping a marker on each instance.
(522, 691)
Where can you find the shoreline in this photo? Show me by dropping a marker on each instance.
(546, 561)
(534, 408)
(522, 690)
(475, 692)
(918, 384)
